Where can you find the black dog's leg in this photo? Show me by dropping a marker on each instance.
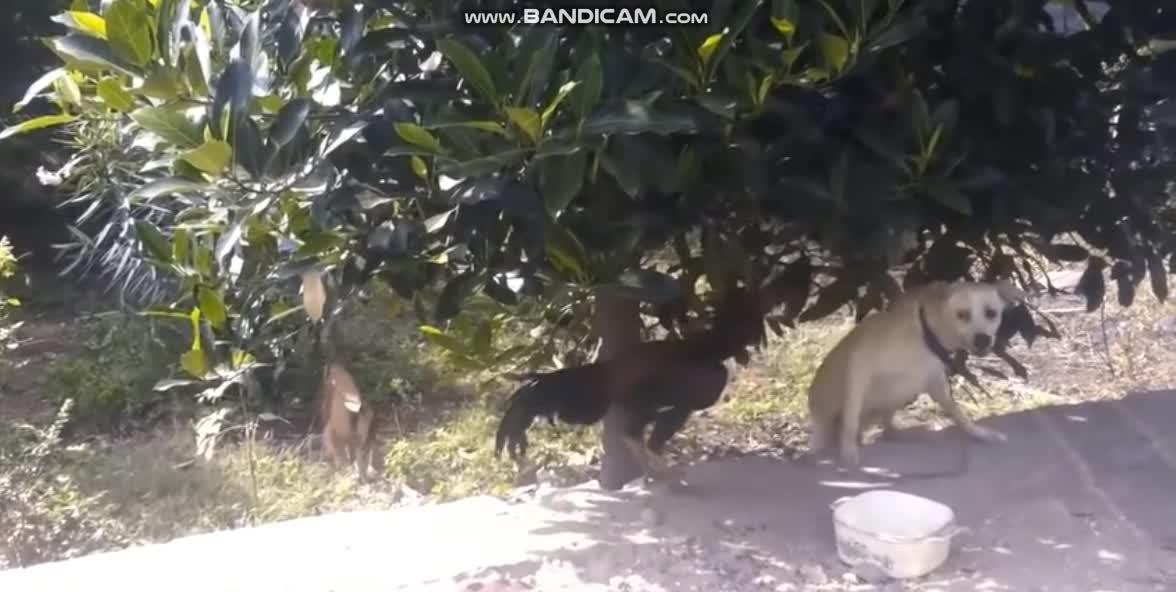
(667, 423)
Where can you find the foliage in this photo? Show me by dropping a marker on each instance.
(110, 377)
(8, 271)
(233, 147)
(45, 516)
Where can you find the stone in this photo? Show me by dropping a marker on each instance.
(812, 573)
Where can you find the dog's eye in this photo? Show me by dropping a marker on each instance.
(964, 315)
(990, 313)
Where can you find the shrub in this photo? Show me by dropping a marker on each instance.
(46, 516)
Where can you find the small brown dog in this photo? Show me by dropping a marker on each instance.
(893, 356)
(348, 423)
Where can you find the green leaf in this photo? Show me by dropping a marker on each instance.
(527, 120)
(204, 259)
(538, 48)
(883, 147)
(481, 166)
(784, 26)
(588, 92)
(211, 157)
(920, 114)
(792, 54)
(68, 92)
(249, 149)
(836, 18)
(738, 22)
(111, 91)
(233, 90)
(128, 27)
(420, 167)
(564, 90)
(626, 174)
(84, 50)
(169, 124)
(470, 68)
(487, 126)
(166, 186)
(194, 362)
(835, 50)
(560, 180)
(240, 358)
(37, 86)
(290, 119)
(196, 70)
(724, 107)
(212, 306)
(181, 246)
(417, 136)
(172, 23)
(946, 115)
(36, 123)
(162, 83)
(635, 117)
(88, 22)
(898, 33)
(566, 253)
(153, 240)
(707, 48)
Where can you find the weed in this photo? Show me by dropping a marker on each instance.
(8, 271)
(47, 515)
(111, 378)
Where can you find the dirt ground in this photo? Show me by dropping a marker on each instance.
(1079, 499)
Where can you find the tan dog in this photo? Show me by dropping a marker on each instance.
(893, 356)
(347, 422)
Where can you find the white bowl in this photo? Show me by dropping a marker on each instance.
(903, 535)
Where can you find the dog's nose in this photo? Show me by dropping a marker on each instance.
(982, 341)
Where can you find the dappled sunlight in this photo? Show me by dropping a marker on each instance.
(1111, 556)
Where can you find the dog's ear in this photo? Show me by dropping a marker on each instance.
(1011, 294)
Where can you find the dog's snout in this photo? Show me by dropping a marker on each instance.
(982, 341)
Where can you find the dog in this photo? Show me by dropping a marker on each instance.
(347, 420)
(894, 355)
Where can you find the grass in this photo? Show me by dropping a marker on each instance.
(438, 424)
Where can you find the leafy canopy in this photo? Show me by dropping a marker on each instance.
(228, 148)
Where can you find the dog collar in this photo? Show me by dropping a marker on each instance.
(932, 342)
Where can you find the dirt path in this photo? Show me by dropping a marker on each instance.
(1081, 498)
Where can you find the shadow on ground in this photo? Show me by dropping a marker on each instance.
(1082, 497)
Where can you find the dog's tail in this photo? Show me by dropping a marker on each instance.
(570, 394)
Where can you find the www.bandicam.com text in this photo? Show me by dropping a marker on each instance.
(586, 16)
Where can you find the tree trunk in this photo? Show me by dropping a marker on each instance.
(618, 325)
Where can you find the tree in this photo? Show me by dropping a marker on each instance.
(530, 168)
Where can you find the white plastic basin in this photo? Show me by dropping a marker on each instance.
(903, 535)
